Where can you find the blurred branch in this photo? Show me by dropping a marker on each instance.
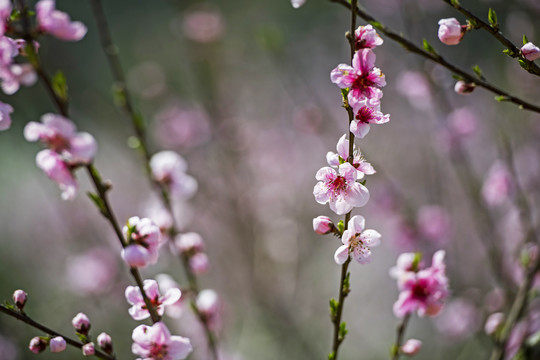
(100, 187)
(514, 51)
(395, 352)
(112, 53)
(435, 57)
(24, 318)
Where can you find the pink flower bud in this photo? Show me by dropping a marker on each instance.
(57, 344)
(5, 118)
(450, 31)
(493, 323)
(105, 342)
(530, 51)
(323, 225)
(88, 349)
(37, 345)
(189, 243)
(81, 323)
(411, 347)
(199, 264)
(19, 297)
(464, 88)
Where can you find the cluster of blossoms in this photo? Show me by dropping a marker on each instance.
(67, 150)
(339, 184)
(191, 247)
(12, 74)
(422, 290)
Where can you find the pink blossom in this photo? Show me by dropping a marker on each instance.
(144, 241)
(209, 306)
(199, 264)
(5, 118)
(92, 272)
(57, 344)
(17, 75)
(297, 3)
(411, 347)
(81, 323)
(37, 345)
(366, 38)
(459, 320)
(363, 79)
(203, 26)
(156, 343)
(88, 349)
(138, 310)
(464, 88)
(21, 46)
(58, 23)
(57, 170)
(461, 123)
(105, 342)
(494, 322)
(424, 291)
(189, 243)
(450, 31)
(342, 156)
(498, 185)
(5, 13)
(366, 114)
(323, 225)
(357, 241)
(406, 263)
(415, 87)
(19, 298)
(434, 223)
(530, 51)
(182, 126)
(340, 189)
(169, 168)
(60, 135)
(165, 283)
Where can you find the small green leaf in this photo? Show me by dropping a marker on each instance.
(346, 283)
(394, 350)
(133, 142)
(525, 40)
(59, 85)
(363, 182)
(477, 71)
(341, 226)
(457, 77)
(333, 308)
(82, 337)
(492, 16)
(455, 3)
(416, 261)
(472, 23)
(343, 330)
(427, 46)
(509, 53)
(523, 64)
(376, 24)
(331, 356)
(10, 306)
(501, 98)
(15, 15)
(97, 201)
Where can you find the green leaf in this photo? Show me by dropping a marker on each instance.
(427, 46)
(457, 77)
(472, 23)
(333, 308)
(363, 182)
(509, 53)
(97, 201)
(525, 40)
(501, 98)
(341, 226)
(394, 350)
(492, 16)
(416, 260)
(10, 306)
(15, 15)
(82, 337)
(455, 3)
(523, 64)
(376, 24)
(331, 356)
(343, 330)
(477, 71)
(346, 283)
(59, 85)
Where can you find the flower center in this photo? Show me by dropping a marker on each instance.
(338, 184)
(365, 114)
(420, 291)
(158, 351)
(362, 83)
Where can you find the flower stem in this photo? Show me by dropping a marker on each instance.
(24, 318)
(399, 337)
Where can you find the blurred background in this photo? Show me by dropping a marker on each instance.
(241, 89)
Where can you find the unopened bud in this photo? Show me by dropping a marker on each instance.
(530, 51)
(88, 349)
(37, 345)
(411, 347)
(494, 323)
(81, 323)
(199, 264)
(57, 344)
(323, 225)
(105, 342)
(19, 297)
(450, 31)
(464, 88)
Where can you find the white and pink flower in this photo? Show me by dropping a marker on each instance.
(57, 170)
(169, 169)
(530, 51)
(58, 23)
(209, 307)
(450, 31)
(342, 155)
(366, 114)
(144, 238)
(156, 343)
(138, 310)
(357, 241)
(366, 38)
(340, 189)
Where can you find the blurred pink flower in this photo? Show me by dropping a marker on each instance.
(415, 87)
(461, 123)
(411, 347)
(342, 155)
(405, 264)
(57, 170)
(138, 310)
(203, 26)
(189, 243)
(498, 185)
(168, 168)
(16, 75)
(209, 307)
(530, 51)
(340, 190)
(144, 239)
(459, 320)
(424, 291)
(156, 343)
(88, 349)
(366, 38)
(5, 13)
(57, 344)
(357, 241)
(494, 323)
(183, 127)
(450, 31)
(165, 283)
(434, 223)
(323, 225)
(363, 79)
(59, 134)
(58, 23)
(199, 263)
(92, 272)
